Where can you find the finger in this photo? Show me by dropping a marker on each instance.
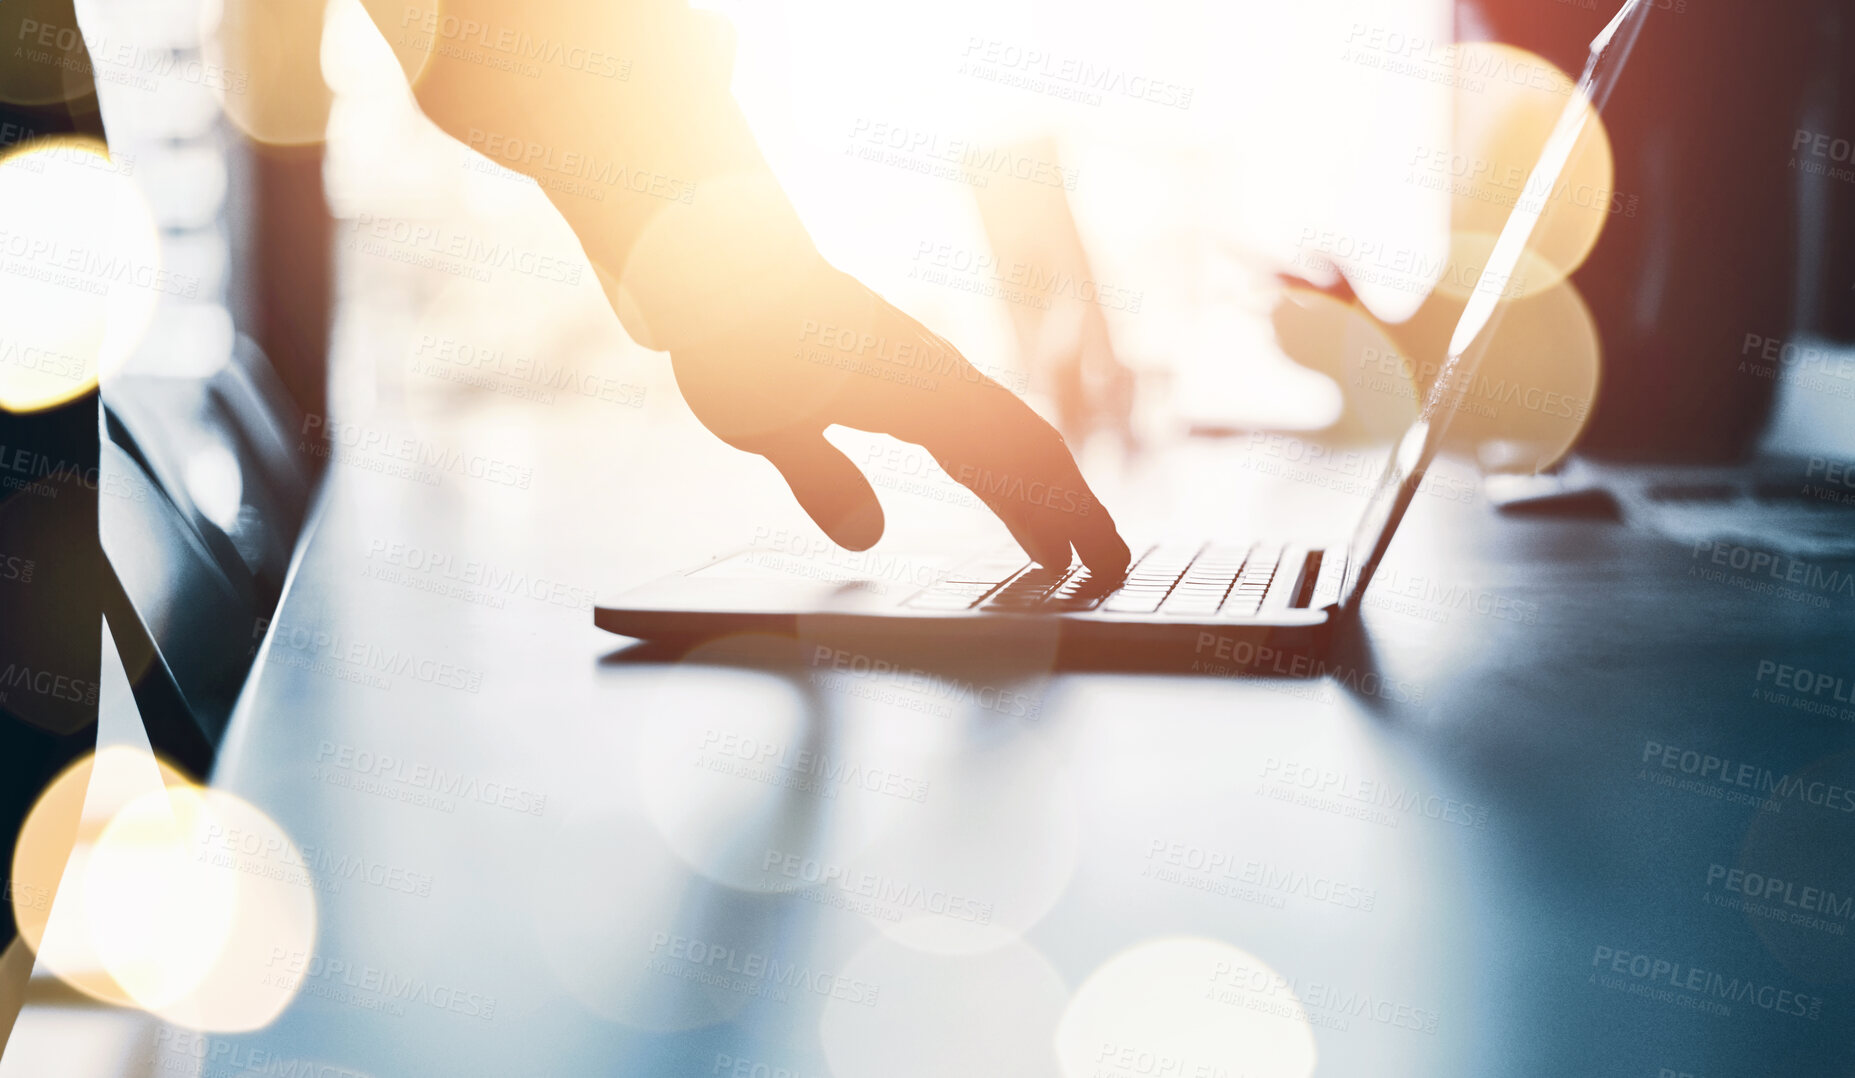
(828, 486)
(1046, 546)
(1022, 469)
(915, 387)
(1067, 504)
(993, 444)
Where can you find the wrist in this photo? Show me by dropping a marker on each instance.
(693, 271)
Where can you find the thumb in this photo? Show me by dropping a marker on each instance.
(828, 486)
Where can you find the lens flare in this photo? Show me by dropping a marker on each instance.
(80, 256)
(220, 853)
(1520, 411)
(1529, 400)
(138, 888)
(156, 916)
(270, 54)
(1507, 102)
(63, 826)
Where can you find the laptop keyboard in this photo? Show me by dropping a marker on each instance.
(1191, 581)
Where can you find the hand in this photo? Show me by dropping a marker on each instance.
(770, 344)
(823, 350)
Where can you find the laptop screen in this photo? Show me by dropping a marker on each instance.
(1411, 457)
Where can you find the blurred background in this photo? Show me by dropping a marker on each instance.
(1240, 231)
(892, 126)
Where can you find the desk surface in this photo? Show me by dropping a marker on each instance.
(1528, 831)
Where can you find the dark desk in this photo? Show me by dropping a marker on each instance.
(1518, 837)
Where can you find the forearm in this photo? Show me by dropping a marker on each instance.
(645, 153)
(683, 273)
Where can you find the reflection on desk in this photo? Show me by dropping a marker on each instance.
(1570, 824)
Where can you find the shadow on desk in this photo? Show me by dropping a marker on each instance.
(1016, 659)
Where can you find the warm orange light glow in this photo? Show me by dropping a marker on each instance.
(1501, 127)
(141, 889)
(64, 826)
(1527, 403)
(271, 54)
(192, 895)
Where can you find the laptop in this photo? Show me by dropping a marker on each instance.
(1251, 591)
(1176, 594)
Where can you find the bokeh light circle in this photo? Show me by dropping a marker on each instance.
(138, 888)
(1525, 404)
(63, 826)
(1519, 411)
(80, 271)
(268, 56)
(1507, 102)
(259, 963)
(157, 915)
